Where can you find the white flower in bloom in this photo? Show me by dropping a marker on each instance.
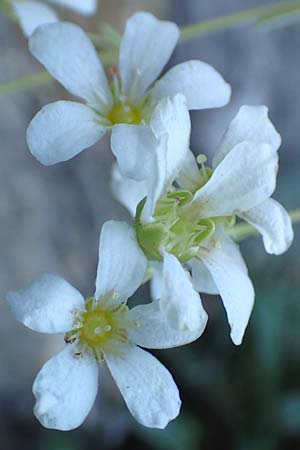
(190, 221)
(32, 14)
(102, 328)
(63, 129)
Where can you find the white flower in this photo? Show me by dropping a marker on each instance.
(190, 221)
(63, 129)
(32, 14)
(102, 328)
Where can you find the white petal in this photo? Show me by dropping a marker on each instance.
(229, 273)
(201, 277)
(171, 125)
(148, 388)
(65, 390)
(32, 14)
(134, 147)
(70, 57)
(156, 156)
(47, 305)
(127, 191)
(86, 7)
(156, 282)
(244, 179)
(154, 331)
(189, 176)
(171, 119)
(146, 46)
(250, 124)
(179, 300)
(274, 224)
(156, 183)
(122, 264)
(61, 130)
(199, 82)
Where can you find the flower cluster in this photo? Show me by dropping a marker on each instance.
(183, 213)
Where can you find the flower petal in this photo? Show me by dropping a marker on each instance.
(127, 191)
(189, 176)
(154, 331)
(171, 125)
(31, 14)
(134, 147)
(47, 305)
(122, 264)
(148, 388)
(179, 301)
(156, 156)
(61, 130)
(274, 224)
(250, 124)
(65, 390)
(171, 119)
(199, 82)
(244, 179)
(230, 275)
(146, 46)
(86, 7)
(156, 282)
(201, 278)
(70, 57)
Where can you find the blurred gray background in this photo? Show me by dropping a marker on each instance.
(50, 220)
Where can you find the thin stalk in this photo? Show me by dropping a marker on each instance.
(240, 18)
(187, 32)
(29, 82)
(42, 78)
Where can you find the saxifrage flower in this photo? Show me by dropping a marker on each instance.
(63, 129)
(101, 328)
(192, 218)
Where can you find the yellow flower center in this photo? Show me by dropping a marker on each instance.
(97, 327)
(101, 327)
(125, 113)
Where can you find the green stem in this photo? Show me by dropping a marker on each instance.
(42, 78)
(28, 82)
(187, 32)
(230, 20)
(243, 230)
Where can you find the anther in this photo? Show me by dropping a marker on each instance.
(218, 244)
(201, 159)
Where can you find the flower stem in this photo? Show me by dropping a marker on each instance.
(243, 230)
(192, 31)
(28, 82)
(42, 78)
(230, 20)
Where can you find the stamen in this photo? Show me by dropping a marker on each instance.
(201, 159)
(218, 244)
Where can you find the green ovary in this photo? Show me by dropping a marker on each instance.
(97, 327)
(172, 229)
(101, 327)
(125, 113)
